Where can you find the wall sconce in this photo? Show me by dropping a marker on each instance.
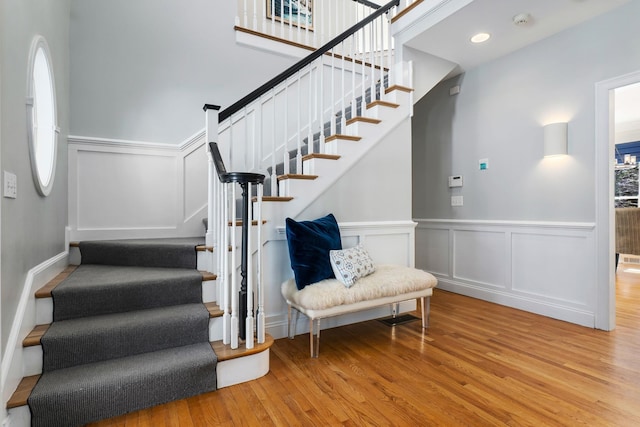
(555, 139)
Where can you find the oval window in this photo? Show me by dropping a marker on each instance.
(41, 116)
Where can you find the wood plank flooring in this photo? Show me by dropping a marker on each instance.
(479, 364)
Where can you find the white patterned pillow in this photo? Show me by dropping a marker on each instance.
(351, 264)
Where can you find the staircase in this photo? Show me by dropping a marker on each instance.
(128, 330)
(303, 153)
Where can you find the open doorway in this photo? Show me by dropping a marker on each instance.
(626, 137)
(605, 215)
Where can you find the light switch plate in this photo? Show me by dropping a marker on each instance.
(10, 185)
(456, 201)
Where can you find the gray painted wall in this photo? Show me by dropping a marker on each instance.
(33, 227)
(499, 114)
(377, 188)
(142, 70)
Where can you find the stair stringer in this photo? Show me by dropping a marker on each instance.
(305, 192)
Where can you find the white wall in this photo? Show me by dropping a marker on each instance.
(126, 190)
(142, 70)
(499, 115)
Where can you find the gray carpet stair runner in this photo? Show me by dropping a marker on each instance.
(127, 334)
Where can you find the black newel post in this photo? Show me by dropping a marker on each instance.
(244, 179)
(244, 260)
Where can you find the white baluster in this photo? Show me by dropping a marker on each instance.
(223, 251)
(299, 126)
(244, 13)
(255, 15)
(310, 148)
(285, 123)
(249, 330)
(234, 275)
(274, 177)
(343, 121)
(260, 285)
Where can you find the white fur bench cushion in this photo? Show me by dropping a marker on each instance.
(387, 281)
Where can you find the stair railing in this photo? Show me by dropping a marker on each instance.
(308, 22)
(289, 117)
(238, 295)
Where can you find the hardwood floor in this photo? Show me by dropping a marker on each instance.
(479, 364)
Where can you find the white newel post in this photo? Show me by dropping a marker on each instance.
(211, 135)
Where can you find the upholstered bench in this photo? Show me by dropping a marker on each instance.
(389, 284)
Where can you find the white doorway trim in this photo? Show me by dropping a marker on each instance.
(605, 218)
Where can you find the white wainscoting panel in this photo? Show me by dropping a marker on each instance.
(564, 261)
(480, 257)
(541, 267)
(387, 242)
(128, 189)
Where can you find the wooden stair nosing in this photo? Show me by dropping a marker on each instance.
(272, 199)
(297, 176)
(363, 120)
(22, 393)
(27, 384)
(320, 156)
(45, 291)
(224, 352)
(343, 137)
(239, 222)
(406, 10)
(398, 87)
(382, 104)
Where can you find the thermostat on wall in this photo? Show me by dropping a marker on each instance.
(455, 181)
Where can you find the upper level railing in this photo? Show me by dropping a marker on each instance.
(306, 22)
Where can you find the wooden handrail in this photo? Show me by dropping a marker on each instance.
(239, 105)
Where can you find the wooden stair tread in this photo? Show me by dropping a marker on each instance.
(214, 309)
(273, 199)
(320, 156)
(398, 87)
(239, 222)
(296, 176)
(45, 291)
(406, 10)
(224, 352)
(383, 104)
(33, 339)
(343, 137)
(363, 120)
(22, 393)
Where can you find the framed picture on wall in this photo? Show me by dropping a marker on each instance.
(294, 12)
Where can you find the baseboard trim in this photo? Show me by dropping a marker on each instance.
(24, 320)
(520, 302)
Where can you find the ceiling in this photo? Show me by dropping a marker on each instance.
(449, 39)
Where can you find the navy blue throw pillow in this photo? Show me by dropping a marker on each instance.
(309, 246)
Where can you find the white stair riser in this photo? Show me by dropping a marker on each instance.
(242, 369)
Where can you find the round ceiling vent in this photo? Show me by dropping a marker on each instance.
(522, 19)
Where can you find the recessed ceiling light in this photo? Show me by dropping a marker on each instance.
(480, 37)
